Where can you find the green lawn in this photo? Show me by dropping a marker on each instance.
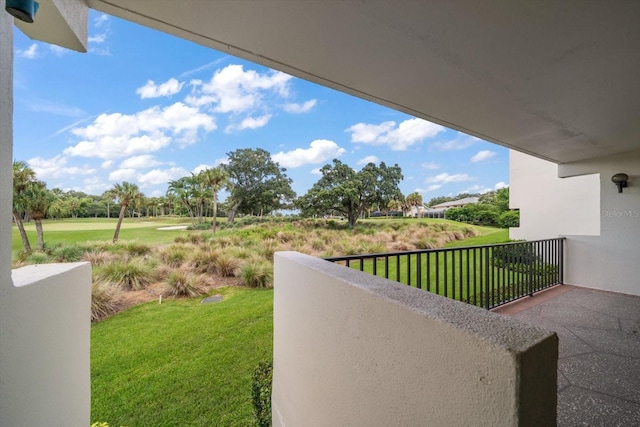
(100, 229)
(459, 274)
(181, 363)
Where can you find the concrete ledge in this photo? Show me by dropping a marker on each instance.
(60, 22)
(44, 346)
(354, 349)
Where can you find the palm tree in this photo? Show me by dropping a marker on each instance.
(37, 202)
(22, 176)
(215, 179)
(126, 193)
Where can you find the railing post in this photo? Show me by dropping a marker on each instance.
(561, 269)
(532, 261)
(487, 275)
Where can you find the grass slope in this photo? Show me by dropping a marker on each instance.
(181, 362)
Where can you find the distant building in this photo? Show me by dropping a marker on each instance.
(425, 212)
(456, 203)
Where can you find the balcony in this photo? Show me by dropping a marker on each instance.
(599, 332)
(599, 352)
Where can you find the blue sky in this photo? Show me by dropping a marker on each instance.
(146, 107)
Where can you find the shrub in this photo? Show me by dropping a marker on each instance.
(137, 248)
(261, 393)
(268, 248)
(256, 275)
(174, 255)
(98, 258)
(68, 253)
(509, 219)
(131, 276)
(181, 239)
(196, 238)
(203, 260)
(105, 300)
(182, 283)
(226, 265)
(425, 243)
(38, 258)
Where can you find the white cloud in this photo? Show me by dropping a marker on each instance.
(250, 123)
(200, 168)
(123, 175)
(398, 138)
(56, 167)
(116, 135)
(483, 155)
(446, 178)
(430, 166)
(100, 20)
(367, 160)
(152, 90)
(316, 171)
(30, 53)
(300, 108)
(461, 142)
(159, 176)
(430, 188)
(107, 164)
(319, 151)
(57, 50)
(139, 162)
(500, 185)
(234, 90)
(93, 185)
(97, 38)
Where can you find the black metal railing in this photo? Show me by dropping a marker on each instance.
(486, 276)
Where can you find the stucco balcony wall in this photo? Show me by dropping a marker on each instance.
(44, 346)
(354, 349)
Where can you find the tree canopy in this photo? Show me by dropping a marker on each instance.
(257, 184)
(343, 191)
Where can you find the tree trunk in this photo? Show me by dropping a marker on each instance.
(39, 232)
(23, 233)
(120, 218)
(232, 212)
(214, 223)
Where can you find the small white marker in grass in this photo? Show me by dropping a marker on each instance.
(160, 300)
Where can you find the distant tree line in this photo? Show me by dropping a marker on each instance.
(492, 209)
(256, 185)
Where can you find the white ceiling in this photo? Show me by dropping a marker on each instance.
(557, 79)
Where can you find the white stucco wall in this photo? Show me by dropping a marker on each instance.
(6, 144)
(44, 346)
(579, 201)
(45, 314)
(351, 349)
(551, 206)
(609, 261)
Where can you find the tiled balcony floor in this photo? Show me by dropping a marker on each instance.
(599, 360)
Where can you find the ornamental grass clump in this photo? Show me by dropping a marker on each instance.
(68, 253)
(105, 300)
(174, 255)
(256, 275)
(129, 276)
(39, 258)
(99, 258)
(182, 282)
(227, 265)
(203, 260)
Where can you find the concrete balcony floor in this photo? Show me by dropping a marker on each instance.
(599, 360)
